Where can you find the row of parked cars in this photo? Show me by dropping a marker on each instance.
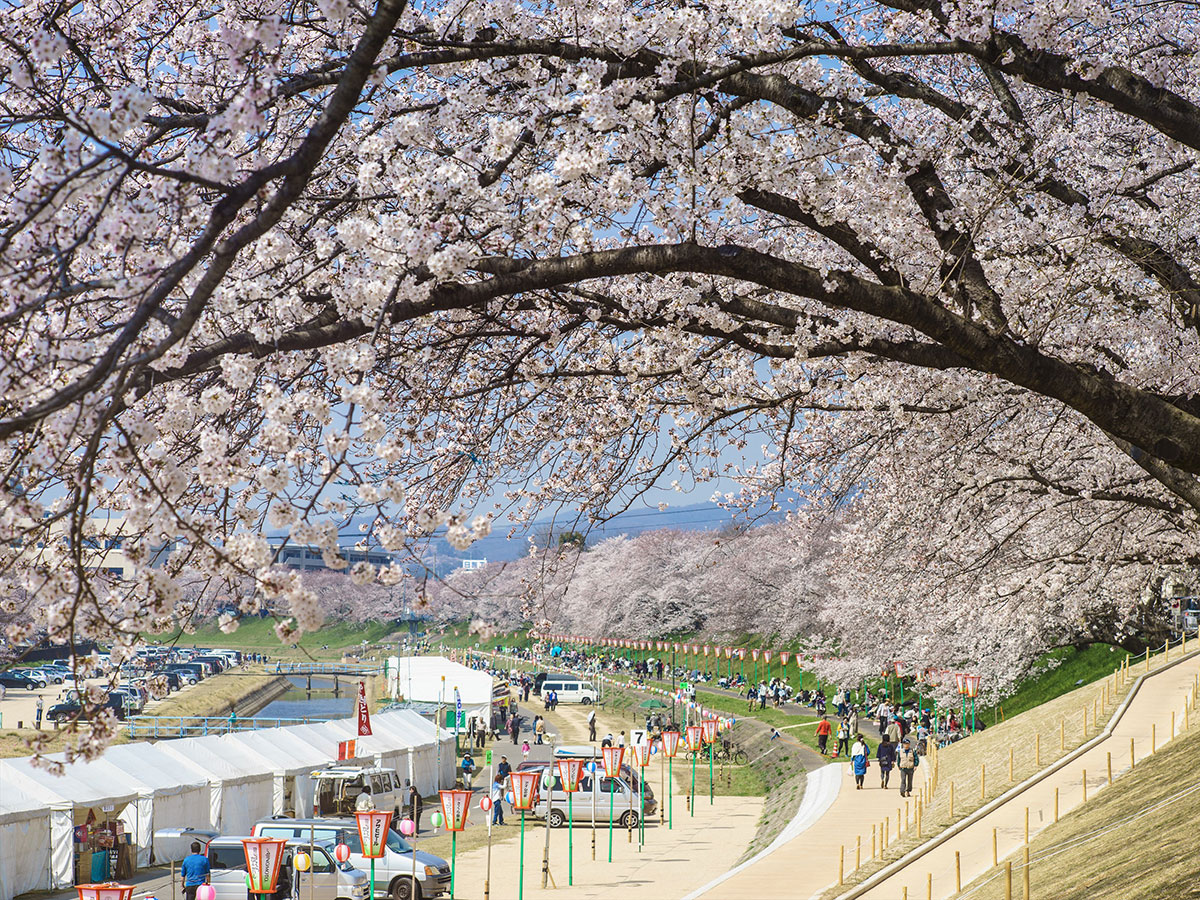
(167, 669)
(403, 873)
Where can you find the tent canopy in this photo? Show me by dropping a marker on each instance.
(94, 784)
(433, 678)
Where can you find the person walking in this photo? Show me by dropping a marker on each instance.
(540, 730)
(885, 754)
(468, 770)
(37, 720)
(823, 731)
(414, 803)
(843, 739)
(907, 761)
(514, 729)
(525, 751)
(859, 760)
(194, 871)
(894, 730)
(591, 720)
(498, 800)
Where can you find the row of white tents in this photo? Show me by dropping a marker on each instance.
(225, 783)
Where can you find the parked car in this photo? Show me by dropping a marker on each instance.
(61, 712)
(337, 789)
(393, 872)
(20, 679)
(591, 803)
(51, 675)
(570, 691)
(327, 879)
(172, 679)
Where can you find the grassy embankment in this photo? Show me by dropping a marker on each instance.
(258, 636)
(1087, 853)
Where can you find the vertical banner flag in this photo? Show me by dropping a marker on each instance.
(364, 714)
(458, 710)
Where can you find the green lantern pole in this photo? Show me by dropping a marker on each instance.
(610, 818)
(453, 862)
(695, 753)
(521, 870)
(710, 771)
(571, 839)
(671, 793)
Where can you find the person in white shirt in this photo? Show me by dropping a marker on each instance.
(365, 801)
(858, 760)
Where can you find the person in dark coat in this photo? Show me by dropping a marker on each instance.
(885, 753)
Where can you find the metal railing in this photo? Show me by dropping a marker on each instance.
(199, 726)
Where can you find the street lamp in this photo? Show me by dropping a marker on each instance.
(524, 789)
(670, 742)
(695, 740)
(960, 685)
(372, 834)
(612, 769)
(971, 688)
(109, 890)
(263, 856)
(570, 771)
(455, 805)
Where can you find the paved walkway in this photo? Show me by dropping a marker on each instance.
(807, 864)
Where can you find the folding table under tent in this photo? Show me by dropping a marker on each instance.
(72, 798)
(24, 840)
(240, 786)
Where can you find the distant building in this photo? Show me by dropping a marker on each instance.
(308, 557)
(474, 563)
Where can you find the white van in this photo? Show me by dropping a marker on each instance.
(570, 691)
(338, 787)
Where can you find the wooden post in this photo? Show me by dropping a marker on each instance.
(1172, 736)
(897, 823)
(995, 854)
(1132, 760)
(873, 827)
(858, 853)
(1026, 872)
(885, 832)
(1085, 785)
(920, 808)
(929, 886)
(1008, 880)
(1109, 769)
(1056, 804)
(957, 872)
(842, 864)
(1038, 751)
(904, 893)
(1153, 738)
(1027, 825)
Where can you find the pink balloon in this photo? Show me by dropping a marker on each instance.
(206, 892)
(407, 827)
(342, 852)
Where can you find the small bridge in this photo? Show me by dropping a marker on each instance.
(158, 727)
(349, 669)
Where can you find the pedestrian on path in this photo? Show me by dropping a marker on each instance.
(859, 759)
(38, 716)
(907, 761)
(468, 770)
(843, 738)
(885, 754)
(591, 720)
(497, 800)
(525, 750)
(823, 731)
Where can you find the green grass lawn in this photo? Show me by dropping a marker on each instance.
(1076, 668)
(259, 635)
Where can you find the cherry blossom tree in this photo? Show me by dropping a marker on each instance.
(267, 268)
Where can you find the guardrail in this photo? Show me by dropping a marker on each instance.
(286, 668)
(198, 726)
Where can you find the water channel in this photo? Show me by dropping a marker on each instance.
(320, 703)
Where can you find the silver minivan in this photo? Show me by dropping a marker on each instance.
(327, 879)
(591, 803)
(393, 872)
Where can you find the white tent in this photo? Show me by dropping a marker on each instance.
(104, 788)
(404, 741)
(24, 838)
(241, 786)
(176, 794)
(433, 679)
(292, 757)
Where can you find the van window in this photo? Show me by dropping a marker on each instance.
(377, 787)
(277, 831)
(321, 861)
(588, 687)
(610, 786)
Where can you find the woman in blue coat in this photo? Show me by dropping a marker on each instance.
(858, 759)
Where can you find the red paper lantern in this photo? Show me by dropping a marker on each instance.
(263, 856)
(372, 831)
(109, 890)
(695, 737)
(613, 757)
(455, 806)
(570, 772)
(524, 788)
(670, 743)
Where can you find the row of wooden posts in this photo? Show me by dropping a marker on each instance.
(881, 835)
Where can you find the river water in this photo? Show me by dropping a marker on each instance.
(297, 703)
